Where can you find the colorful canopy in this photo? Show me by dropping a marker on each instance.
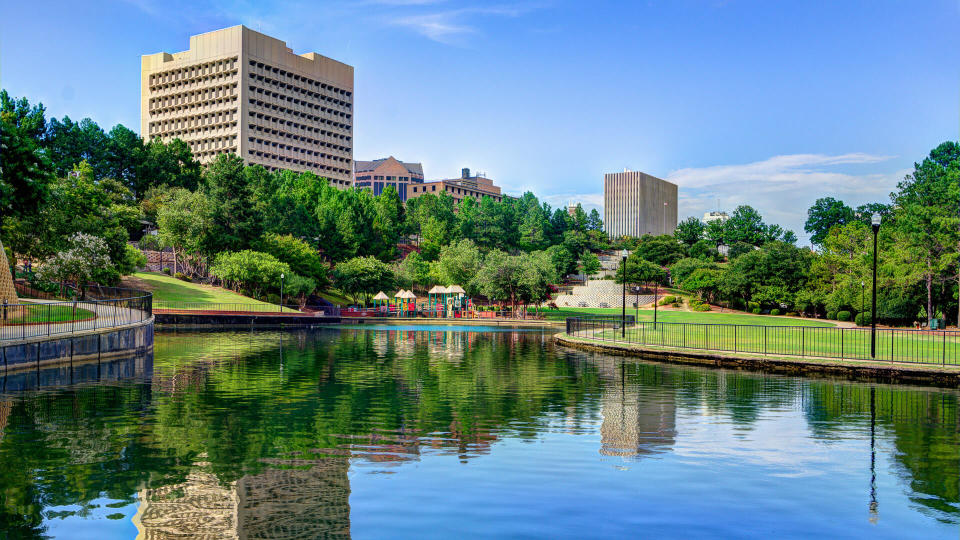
(437, 289)
(381, 296)
(409, 295)
(400, 294)
(456, 289)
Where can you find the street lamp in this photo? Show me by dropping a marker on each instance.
(863, 302)
(875, 225)
(623, 305)
(281, 292)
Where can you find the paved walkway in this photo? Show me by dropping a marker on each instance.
(107, 315)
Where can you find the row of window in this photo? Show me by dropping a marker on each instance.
(267, 94)
(296, 77)
(295, 126)
(190, 96)
(205, 80)
(208, 155)
(296, 161)
(288, 135)
(392, 178)
(218, 102)
(194, 71)
(323, 95)
(181, 133)
(196, 120)
(296, 149)
(291, 112)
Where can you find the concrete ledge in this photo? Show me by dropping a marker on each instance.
(924, 374)
(43, 351)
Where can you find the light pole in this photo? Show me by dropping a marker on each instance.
(623, 305)
(281, 292)
(863, 302)
(875, 225)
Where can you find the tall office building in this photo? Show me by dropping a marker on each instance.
(635, 204)
(239, 91)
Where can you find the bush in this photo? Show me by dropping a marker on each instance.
(182, 277)
(774, 311)
(670, 299)
(756, 311)
(273, 298)
(832, 315)
(753, 305)
(697, 305)
(862, 319)
(247, 270)
(843, 315)
(166, 271)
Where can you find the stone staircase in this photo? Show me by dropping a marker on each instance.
(596, 293)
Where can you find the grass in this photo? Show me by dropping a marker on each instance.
(850, 343)
(170, 292)
(41, 313)
(705, 317)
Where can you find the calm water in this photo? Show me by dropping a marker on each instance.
(409, 433)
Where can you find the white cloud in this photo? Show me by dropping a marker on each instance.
(447, 26)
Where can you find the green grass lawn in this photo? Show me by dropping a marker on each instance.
(172, 293)
(850, 343)
(41, 313)
(707, 317)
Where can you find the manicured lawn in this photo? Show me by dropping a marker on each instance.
(706, 317)
(172, 293)
(44, 313)
(850, 343)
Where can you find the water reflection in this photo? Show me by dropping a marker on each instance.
(260, 434)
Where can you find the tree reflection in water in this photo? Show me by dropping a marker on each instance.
(253, 434)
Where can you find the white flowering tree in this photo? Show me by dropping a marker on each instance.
(84, 258)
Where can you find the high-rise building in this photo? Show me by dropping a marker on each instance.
(635, 204)
(239, 91)
(390, 171)
(715, 216)
(475, 186)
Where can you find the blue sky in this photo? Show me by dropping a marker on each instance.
(764, 103)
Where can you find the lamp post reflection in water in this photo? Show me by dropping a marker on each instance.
(873, 456)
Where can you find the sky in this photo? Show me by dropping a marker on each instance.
(771, 104)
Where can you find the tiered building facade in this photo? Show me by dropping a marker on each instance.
(239, 91)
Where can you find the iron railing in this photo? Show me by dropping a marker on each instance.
(892, 344)
(103, 307)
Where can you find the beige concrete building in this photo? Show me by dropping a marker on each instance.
(239, 91)
(635, 204)
(475, 186)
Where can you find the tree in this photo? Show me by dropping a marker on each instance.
(589, 263)
(594, 223)
(684, 267)
(84, 259)
(690, 231)
(704, 250)
(182, 221)
(716, 232)
(745, 225)
(25, 171)
(563, 261)
(825, 214)
(641, 271)
(302, 258)
(298, 287)
(387, 224)
(235, 222)
(537, 274)
(775, 267)
(252, 272)
(705, 282)
(500, 278)
(662, 250)
(534, 230)
(459, 263)
(413, 272)
(362, 277)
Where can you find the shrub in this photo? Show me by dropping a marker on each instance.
(252, 271)
(753, 305)
(670, 299)
(182, 277)
(862, 319)
(756, 311)
(832, 315)
(774, 311)
(843, 315)
(273, 298)
(166, 271)
(697, 305)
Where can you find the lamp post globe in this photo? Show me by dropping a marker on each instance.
(875, 225)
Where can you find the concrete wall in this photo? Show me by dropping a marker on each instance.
(34, 354)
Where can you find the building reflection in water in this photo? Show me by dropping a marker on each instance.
(638, 419)
(291, 498)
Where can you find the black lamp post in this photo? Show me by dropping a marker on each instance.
(281, 292)
(623, 305)
(875, 225)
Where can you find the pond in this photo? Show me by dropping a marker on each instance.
(462, 432)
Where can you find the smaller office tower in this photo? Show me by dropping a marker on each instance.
(635, 204)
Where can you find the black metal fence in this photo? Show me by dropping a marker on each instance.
(891, 344)
(103, 307)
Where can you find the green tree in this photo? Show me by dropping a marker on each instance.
(252, 272)
(25, 170)
(458, 264)
(413, 272)
(705, 282)
(363, 277)
(589, 263)
(563, 261)
(825, 214)
(302, 258)
(690, 231)
(640, 271)
(745, 225)
(704, 250)
(387, 224)
(662, 250)
(235, 223)
(182, 222)
(594, 223)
